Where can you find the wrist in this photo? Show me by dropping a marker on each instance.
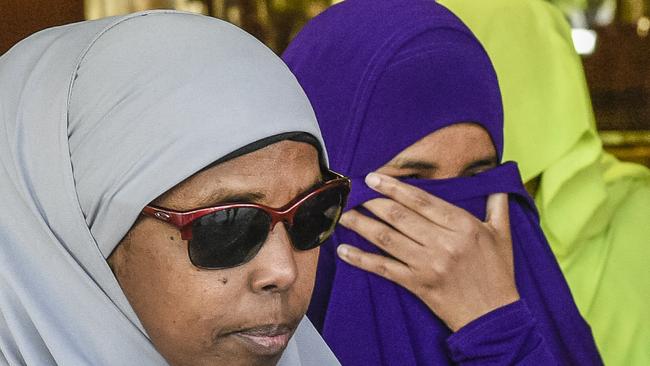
(503, 334)
(461, 319)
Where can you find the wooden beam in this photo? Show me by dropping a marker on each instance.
(21, 18)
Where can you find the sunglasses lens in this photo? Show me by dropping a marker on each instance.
(316, 218)
(229, 237)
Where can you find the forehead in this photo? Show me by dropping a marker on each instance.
(461, 139)
(280, 170)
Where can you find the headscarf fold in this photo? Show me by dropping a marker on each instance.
(594, 209)
(381, 75)
(96, 120)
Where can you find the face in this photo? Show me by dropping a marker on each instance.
(237, 316)
(459, 150)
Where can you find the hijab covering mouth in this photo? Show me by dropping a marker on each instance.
(594, 209)
(96, 120)
(381, 75)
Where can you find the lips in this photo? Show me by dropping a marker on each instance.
(265, 340)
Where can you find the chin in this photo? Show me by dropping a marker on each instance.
(236, 358)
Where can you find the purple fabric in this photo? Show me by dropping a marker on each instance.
(381, 75)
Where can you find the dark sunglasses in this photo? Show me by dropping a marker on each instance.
(229, 235)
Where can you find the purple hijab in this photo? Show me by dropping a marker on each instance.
(381, 75)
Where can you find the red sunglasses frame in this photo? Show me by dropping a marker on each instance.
(183, 219)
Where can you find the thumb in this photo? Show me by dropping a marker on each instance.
(498, 215)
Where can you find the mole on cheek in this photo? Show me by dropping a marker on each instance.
(223, 280)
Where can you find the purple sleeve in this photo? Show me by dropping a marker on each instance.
(505, 336)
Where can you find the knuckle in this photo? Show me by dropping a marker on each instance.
(446, 218)
(473, 233)
(391, 187)
(381, 269)
(395, 212)
(454, 251)
(465, 223)
(467, 226)
(445, 265)
(385, 238)
(477, 235)
(363, 262)
(430, 286)
(422, 290)
(354, 257)
(421, 200)
(439, 269)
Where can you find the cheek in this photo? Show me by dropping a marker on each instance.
(306, 263)
(184, 309)
(180, 306)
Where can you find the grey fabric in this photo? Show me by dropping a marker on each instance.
(96, 120)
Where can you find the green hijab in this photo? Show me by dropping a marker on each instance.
(594, 209)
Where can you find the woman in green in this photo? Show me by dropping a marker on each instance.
(595, 210)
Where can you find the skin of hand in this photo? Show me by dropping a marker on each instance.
(460, 267)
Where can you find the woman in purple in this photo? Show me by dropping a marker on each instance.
(445, 264)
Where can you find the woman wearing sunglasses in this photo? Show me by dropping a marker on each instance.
(164, 191)
(441, 260)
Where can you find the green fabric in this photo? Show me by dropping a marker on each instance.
(594, 209)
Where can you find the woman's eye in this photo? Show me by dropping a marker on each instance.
(474, 172)
(409, 176)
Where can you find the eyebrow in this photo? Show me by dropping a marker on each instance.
(415, 165)
(488, 161)
(420, 165)
(222, 197)
(225, 196)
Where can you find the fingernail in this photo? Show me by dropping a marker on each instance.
(372, 180)
(345, 219)
(342, 250)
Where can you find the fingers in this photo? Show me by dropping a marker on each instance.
(382, 235)
(431, 207)
(378, 264)
(405, 220)
(498, 215)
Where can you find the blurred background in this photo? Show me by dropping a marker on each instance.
(612, 37)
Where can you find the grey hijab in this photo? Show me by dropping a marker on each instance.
(96, 120)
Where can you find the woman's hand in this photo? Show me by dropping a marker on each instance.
(459, 266)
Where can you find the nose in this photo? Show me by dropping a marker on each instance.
(275, 268)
